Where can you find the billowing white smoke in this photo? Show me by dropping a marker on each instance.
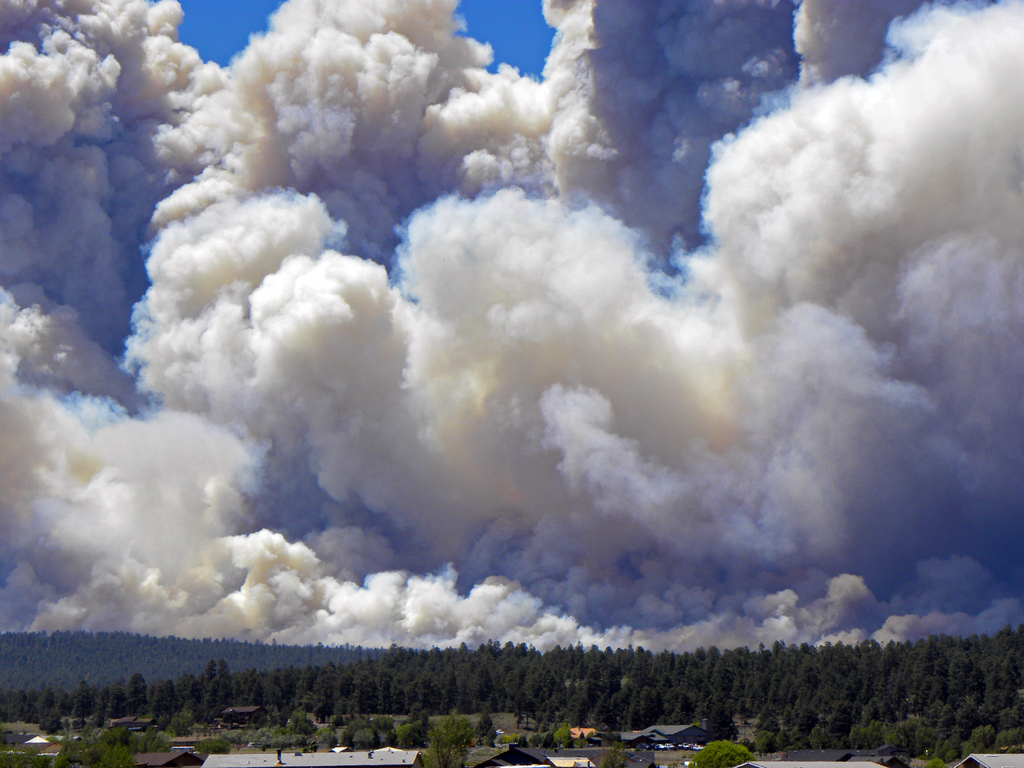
(86, 87)
(377, 107)
(424, 356)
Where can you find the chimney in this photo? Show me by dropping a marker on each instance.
(706, 725)
(279, 762)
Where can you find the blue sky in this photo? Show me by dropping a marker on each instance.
(515, 28)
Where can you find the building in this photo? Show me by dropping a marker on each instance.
(516, 756)
(26, 740)
(377, 758)
(132, 723)
(241, 717)
(589, 757)
(668, 736)
(991, 761)
(804, 764)
(186, 743)
(176, 759)
(887, 755)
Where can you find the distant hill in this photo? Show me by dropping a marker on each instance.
(34, 660)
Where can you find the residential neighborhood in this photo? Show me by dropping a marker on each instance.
(658, 746)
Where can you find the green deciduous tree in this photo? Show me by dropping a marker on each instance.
(765, 742)
(450, 739)
(181, 723)
(411, 734)
(216, 745)
(563, 736)
(614, 757)
(300, 724)
(982, 739)
(326, 738)
(721, 754)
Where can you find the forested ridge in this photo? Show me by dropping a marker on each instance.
(940, 693)
(63, 659)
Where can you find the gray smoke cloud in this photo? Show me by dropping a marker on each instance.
(707, 336)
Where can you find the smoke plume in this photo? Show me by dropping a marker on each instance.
(707, 336)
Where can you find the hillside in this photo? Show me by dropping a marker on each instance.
(36, 660)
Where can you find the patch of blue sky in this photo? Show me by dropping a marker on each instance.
(515, 29)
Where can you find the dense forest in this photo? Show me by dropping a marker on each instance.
(938, 695)
(63, 659)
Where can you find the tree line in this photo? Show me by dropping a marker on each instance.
(938, 695)
(62, 659)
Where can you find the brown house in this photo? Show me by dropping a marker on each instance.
(241, 717)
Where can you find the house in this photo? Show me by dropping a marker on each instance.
(241, 717)
(567, 761)
(668, 736)
(593, 755)
(185, 743)
(582, 733)
(636, 740)
(33, 741)
(133, 723)
(802, 764)
(27, 742)
(991, 761)
(516, 756)
(377, 758)
(177, 759)
(589, 757)
(887, 755)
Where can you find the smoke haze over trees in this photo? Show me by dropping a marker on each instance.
(710, 336)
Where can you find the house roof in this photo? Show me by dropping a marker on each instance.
(799, 764)
(671, 730)
(594, 754)
(889, 749)
(131, 721)
(161, 759)
(884, 755)
(562, 758)
(242, 710)
(892, 761)
(820, 755)
(517, 756)
(994, 761)
(26, 740)
(377, 758)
